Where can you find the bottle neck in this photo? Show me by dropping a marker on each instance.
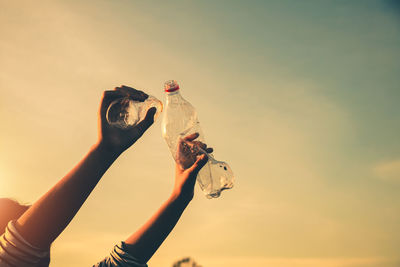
(173, 96)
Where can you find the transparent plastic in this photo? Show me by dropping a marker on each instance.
(125, 112)
(180, 120)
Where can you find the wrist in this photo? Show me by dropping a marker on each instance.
(106, 150)
(180, 197)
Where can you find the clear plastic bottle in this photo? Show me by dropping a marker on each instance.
(180, 120)
(126, 113)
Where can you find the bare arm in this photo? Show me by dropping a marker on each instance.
(44, 221)
(147, 239)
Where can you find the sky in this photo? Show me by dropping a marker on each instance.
(299, 97)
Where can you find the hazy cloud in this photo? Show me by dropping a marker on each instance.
(388, 170)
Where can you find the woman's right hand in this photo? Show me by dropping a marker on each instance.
(191, 157)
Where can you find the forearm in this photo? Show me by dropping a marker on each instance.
(145, 241)
(44, 221)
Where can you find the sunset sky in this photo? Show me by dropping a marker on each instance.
(301, 98)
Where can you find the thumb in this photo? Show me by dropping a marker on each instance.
(148, 120)
(200, 162)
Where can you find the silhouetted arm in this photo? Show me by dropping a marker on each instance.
(43, 222)
(147, 239)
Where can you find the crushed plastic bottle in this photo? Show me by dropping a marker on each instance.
(125, 112)
(179, 121)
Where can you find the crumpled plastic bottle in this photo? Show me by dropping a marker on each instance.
(126, 112)
(179, 121)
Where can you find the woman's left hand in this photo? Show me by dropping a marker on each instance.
(114, 139)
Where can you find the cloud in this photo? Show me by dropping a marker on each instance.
(388, 170)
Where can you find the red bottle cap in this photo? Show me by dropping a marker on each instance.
(171, 86)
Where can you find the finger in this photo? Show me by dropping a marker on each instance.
(209, 150)
(200, 162)
(191, 137)
(132, 92)
(110, 96)
(200, 144)
(148, 120)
